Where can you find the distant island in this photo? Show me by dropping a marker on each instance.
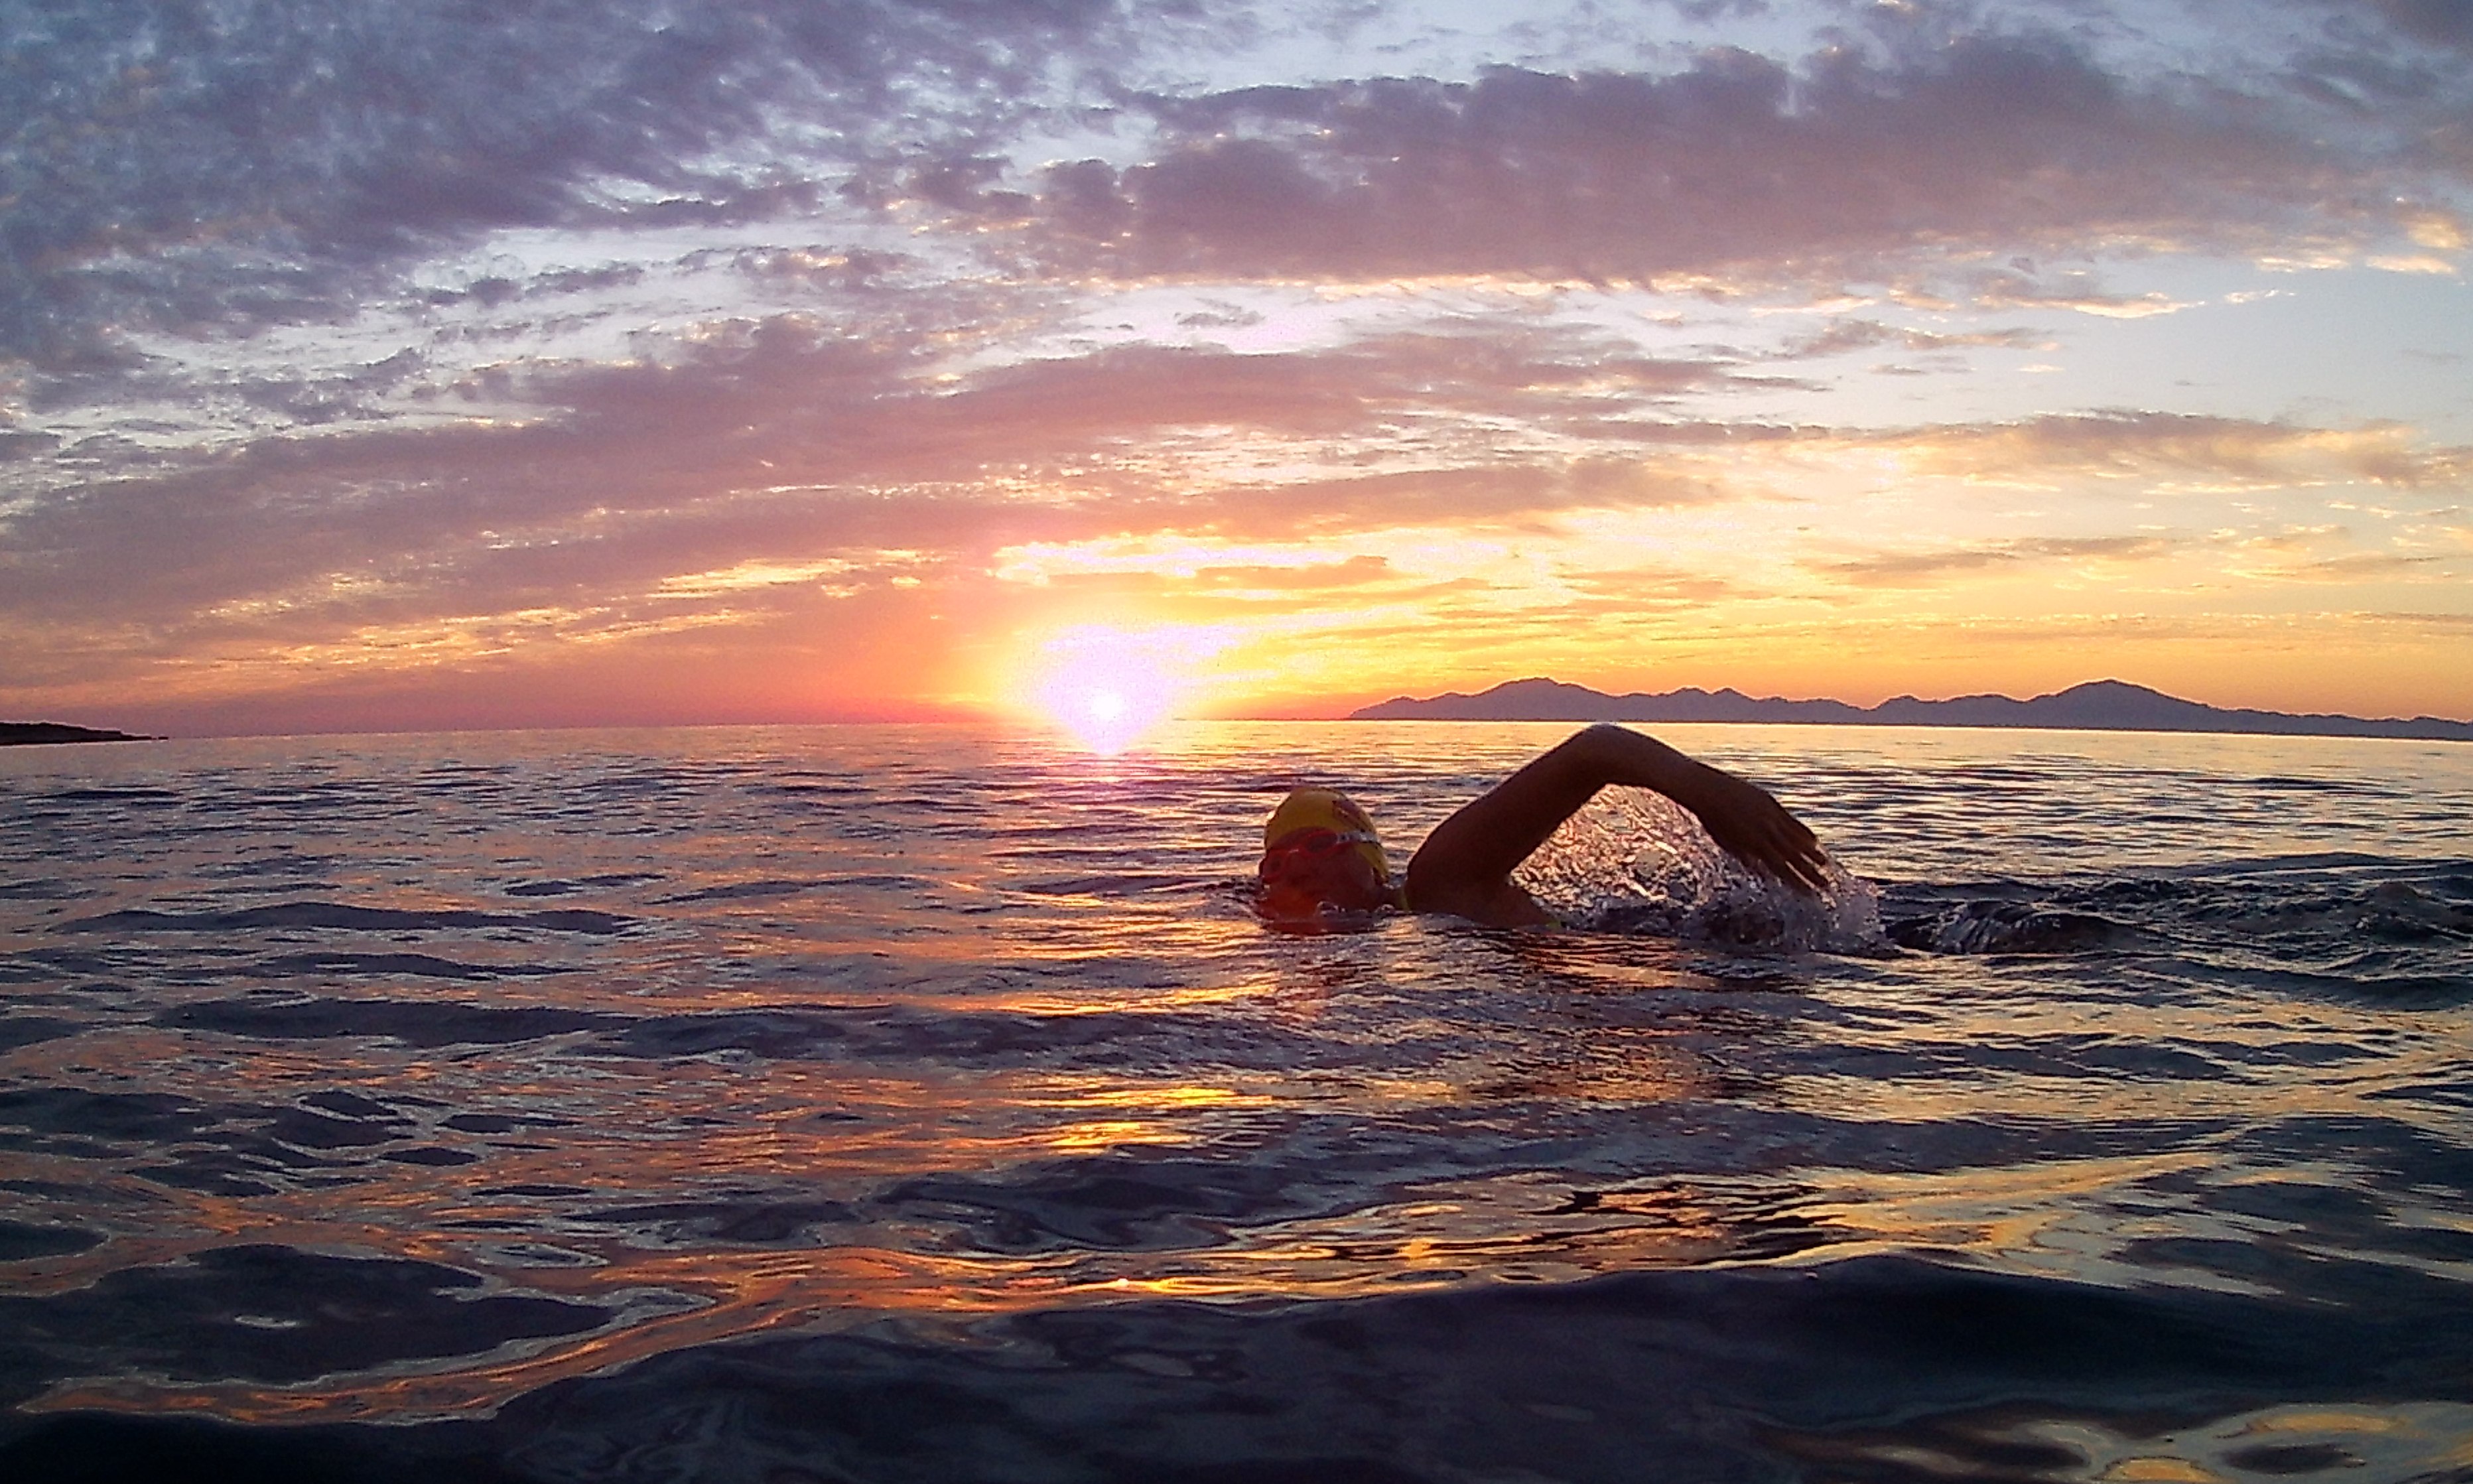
(2098, 706)
(23, 733)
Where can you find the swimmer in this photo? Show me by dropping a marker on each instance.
(1320, 852)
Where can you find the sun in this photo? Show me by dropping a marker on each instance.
(1110, 687)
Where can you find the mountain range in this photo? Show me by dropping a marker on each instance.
(2097, 706)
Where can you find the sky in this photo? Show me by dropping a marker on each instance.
(407, 363)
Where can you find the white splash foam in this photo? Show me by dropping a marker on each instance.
(1634, 861)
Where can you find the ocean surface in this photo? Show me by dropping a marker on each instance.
(892, 1104)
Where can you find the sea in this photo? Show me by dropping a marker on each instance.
(921, 1104)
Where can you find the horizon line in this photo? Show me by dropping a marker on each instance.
(1342, 709)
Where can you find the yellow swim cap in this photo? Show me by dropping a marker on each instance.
(1327, 808)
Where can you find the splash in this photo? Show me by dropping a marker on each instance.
(1635, 862)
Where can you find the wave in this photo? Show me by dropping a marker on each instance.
(411, 1022)
(1999, 926)
(342, 916)
(2383, 927)
(1874, 1367)
(773, 887)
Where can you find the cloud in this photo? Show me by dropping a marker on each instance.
(196, 169)
(338, 335)
(1929, 568)
(2381, 567)
(2446, 22)
(1648, 588)
(776, 465)
(783, 445)
(1182, 581)
(1846, 335)
(2125, 444)
(2080, 292)
(1737, 165)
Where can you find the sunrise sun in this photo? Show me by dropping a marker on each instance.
(1109, 687)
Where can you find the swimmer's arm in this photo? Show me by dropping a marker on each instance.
(1465, 865)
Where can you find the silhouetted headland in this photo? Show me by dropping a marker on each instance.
(2098, 706)
(22, 734)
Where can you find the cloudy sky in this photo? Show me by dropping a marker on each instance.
(390, 363)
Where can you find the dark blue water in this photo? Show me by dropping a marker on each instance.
(921, 1104)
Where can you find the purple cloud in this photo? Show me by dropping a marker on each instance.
(1737, 164)
(220, 168)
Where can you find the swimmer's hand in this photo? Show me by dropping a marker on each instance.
(1752, 827)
